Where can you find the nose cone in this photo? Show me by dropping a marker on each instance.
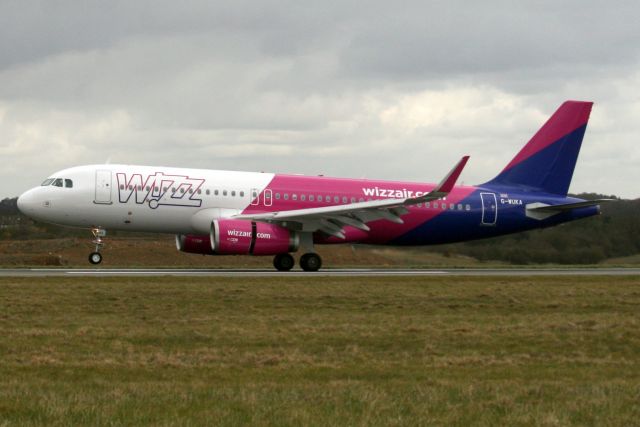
(27, 203)
(20, 203)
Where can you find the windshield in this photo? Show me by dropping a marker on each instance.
(47, 182)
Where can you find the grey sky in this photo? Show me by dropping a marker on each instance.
(378, 89)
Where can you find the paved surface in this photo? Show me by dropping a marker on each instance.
(108, 272)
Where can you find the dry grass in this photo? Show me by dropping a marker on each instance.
(318, 351)
(161, 252)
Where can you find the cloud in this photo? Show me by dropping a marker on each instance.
(389, 91)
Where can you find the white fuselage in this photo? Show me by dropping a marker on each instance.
(143, 198)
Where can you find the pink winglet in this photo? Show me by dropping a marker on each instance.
(450, 180)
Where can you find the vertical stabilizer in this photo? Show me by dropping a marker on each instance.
(547, 162)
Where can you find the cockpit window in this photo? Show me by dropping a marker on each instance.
(57, 182)
(47, 181)
(68, 183)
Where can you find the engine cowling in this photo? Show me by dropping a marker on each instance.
(194, 244)
(240, 237)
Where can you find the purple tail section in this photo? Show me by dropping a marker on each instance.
(547, 162)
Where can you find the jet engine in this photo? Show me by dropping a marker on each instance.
(240, 237)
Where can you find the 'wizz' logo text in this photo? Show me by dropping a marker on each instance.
(160, 189)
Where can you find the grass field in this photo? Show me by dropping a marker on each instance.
(160, 251)
(320, 351)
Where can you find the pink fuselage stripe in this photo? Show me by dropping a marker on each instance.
(570, 116)
(355, 190)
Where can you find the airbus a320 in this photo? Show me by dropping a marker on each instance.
(215, 212)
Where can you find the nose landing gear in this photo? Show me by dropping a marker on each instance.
(98, 234)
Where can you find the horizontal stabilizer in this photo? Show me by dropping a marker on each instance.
(542, 210)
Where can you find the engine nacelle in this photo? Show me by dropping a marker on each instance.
(240, 237)
(194, 244)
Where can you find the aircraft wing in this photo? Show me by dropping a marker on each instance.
(332, 219)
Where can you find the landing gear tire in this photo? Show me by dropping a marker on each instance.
(283, 262)
(95, 258)
(310, 262)
(98, 233)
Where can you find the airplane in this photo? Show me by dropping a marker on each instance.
(213, 212)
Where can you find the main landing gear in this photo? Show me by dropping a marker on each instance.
(283, 262)
(96, 257)
(308, 262)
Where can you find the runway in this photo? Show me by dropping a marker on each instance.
(115, 272)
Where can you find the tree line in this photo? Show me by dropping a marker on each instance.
(615, 233)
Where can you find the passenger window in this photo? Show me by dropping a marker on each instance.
(353, 200)
(426, 205)
(233, 193)
(242, 194)
(294, 196)
(286, 196)
(467, 207)
(344, 199)
(277, 196)
(68, 183)
(216, 192)
(327, 198)
(311, 198)
(208, 192)
(224, 192)
(57, 182)
(303, 197)
(336, 199)
(435, 205)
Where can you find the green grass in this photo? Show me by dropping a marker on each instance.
(320, 351)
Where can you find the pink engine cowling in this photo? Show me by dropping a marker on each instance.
(240, 237)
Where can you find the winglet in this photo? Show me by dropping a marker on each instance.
(446, 185)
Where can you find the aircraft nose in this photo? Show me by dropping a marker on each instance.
(20, 203)
(26, 203)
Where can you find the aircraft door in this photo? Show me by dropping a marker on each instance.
(103, 187)
(489, 208)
